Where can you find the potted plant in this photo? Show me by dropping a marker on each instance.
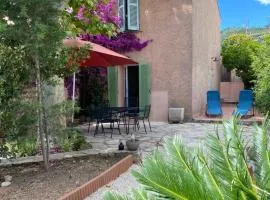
(132, 144)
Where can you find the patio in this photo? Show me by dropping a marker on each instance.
(192, 134)
(228, 109)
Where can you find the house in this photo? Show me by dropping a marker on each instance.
(179, 66)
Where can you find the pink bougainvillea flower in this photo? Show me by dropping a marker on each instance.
(105, 11)
(122, 43)
(80, 14)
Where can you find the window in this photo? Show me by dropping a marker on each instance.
(128, 11)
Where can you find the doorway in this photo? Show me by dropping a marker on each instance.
(132, 86)
(92, 88)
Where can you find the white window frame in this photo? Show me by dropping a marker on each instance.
(126, 26)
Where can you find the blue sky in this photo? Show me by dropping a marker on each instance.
(239, 13)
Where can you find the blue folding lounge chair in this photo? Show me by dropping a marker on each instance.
(245, 103)
(213, 104)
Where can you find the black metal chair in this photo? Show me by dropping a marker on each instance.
(145, 116)
(120, 112)
(132, 115)
(105, 115)
(92, 114)
(93, 109)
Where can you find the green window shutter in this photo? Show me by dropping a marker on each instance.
(145, 84)
(133, 15)
(122, 13)
(113, 85)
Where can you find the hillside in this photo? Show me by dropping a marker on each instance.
(252, 31)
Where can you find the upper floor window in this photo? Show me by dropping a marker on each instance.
(128, 11)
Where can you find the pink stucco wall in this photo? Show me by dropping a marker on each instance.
(229, 91)
(206, 64)
(168, 23)
(180, 55)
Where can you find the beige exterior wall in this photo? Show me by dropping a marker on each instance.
(206, 68)
(229, 91)
(168, 23)
(186, 35)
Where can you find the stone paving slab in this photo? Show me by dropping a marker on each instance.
(192, 134)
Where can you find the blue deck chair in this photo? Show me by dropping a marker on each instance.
(213, 104)
(245, 103)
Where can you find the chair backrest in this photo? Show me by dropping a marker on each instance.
(147, 110)
(245, 99)
(213, 96)
(103, 111)
(92, 111)
(105, 103)
(95, 111)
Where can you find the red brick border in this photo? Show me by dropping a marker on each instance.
(104, 178)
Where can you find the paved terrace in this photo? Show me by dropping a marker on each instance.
(192, 134)
(228, 109)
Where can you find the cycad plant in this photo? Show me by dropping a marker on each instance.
(227, 166)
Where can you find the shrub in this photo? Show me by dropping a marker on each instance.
(4, 152)
(22, 146)
(71, 140)
(27, 147)
(238, 51)
(220, 169)
(261, 66)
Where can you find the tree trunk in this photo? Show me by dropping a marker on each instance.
(45, 129)
(40, 118)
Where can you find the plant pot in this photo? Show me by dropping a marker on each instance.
(132, 145)
(176, 115)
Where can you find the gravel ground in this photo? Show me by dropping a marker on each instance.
(122, 185)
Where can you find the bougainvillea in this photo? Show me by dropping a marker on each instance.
(94, 75)
(122, 43)
(90, 87)
(92, 16)
(97, 21)
(105, 12)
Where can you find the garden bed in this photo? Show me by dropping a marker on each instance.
(32, 182)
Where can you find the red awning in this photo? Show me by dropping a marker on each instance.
(99, 55)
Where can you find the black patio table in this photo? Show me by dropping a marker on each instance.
(126, 112)
(125, 109)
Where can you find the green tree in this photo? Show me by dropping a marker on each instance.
(35, 26)
(220, 169)
(31, 38)
(238, 51)
(261, 66)
(14, 75)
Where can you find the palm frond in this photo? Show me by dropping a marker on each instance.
(217, 171)
(262, 159)
(136, 195)
(229, 162)
(114, 196)
(155, 177)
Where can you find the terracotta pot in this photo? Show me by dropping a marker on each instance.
(132, 145)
